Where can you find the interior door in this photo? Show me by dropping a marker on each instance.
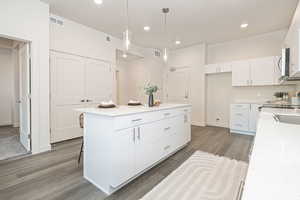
(99, 81)
(263, 71)
(241, 73)
(25, 103)
(67, 94)
(178, 86)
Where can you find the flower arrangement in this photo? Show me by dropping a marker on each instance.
(150, 89)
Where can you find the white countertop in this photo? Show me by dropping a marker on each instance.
(274, 169)
(128, 110)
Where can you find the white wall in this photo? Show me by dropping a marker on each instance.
(193, 57)
(220, 93)
(134, 76)
(6, 87)
(29, 20)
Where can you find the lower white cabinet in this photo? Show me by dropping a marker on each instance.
(116, 152)
(243, 118)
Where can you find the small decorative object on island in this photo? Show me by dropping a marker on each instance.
(150, 90)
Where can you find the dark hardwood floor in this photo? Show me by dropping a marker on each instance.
(56, 175)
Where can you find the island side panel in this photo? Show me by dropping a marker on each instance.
(98, 132)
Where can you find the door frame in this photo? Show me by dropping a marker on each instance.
(30, 91)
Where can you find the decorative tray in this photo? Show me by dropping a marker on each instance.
(106, 106)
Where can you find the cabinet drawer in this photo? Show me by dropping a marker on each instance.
(240, 106)
(240, 125)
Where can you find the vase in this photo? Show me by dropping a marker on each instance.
(151, 100)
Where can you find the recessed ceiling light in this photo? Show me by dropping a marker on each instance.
(177, 42)
(147, 28)
(124, 55)
(99, 2)
(244, 25)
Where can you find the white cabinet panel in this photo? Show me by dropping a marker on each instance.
(254, 113)
(262, 71)
(240, 73)
(211, 68)
(123, 152)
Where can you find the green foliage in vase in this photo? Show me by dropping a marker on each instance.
(150, 89)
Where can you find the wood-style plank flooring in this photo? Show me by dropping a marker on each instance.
(56, 175)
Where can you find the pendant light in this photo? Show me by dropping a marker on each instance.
(165, 52)
(127, 33)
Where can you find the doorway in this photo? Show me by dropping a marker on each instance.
(15, 106)
(178, 85)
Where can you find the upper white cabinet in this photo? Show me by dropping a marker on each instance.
(218, 68)
(255, 72)
(240, 73)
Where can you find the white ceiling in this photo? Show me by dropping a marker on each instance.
(191, 21)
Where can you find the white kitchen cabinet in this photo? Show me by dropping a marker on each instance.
(124, 151)
(253, 116)
(243, 118)
(75, 82)
(255, 72)
(262, 71)
(218, 68)
(115, 154)
(241, 73)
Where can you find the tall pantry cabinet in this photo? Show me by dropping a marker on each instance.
(75, 82)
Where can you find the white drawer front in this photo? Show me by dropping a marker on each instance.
(240, 106)
(239, 125)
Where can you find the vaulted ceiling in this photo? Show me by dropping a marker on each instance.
(190, 21)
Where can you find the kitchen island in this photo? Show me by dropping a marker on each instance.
(274, 169)
(122, 143)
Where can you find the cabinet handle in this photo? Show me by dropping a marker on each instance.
(82, 100)
(136, 120)
(239, 125)
(168, 128)
(134, 135)
(167, 147)
(167, 114)
(139, 133)
(89, 100)
(239, 114)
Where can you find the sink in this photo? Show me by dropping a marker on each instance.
(288, 119)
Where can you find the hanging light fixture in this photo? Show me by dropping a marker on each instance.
(165, 52)
(127, 33)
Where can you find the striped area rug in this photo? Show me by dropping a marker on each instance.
(203, 176)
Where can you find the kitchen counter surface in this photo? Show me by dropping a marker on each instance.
(274, 169)
(128, 110)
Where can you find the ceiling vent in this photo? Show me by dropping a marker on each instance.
(157, 53)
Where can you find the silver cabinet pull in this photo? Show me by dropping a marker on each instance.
(134, 135)
(139, 133)
(167, 147)
(136, 120)
(167, 114)
(82, 100)
(168, 128)
(89, 100)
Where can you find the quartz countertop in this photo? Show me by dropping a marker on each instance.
(274, 169)
(128, 110)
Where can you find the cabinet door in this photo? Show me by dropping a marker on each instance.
(123, 156)
(211, 69)
(254, 113)
(262, 71)
(149, 145)
(239, 117)
(240, 73)
(67, 92)
(99, 81)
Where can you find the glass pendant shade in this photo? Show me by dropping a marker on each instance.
(126, 39)
(165, 54)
